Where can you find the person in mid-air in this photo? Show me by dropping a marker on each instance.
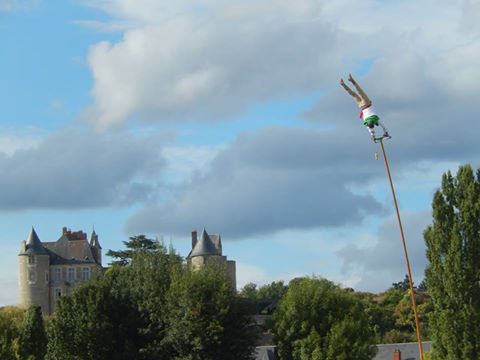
(367, 113)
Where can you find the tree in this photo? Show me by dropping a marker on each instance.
(134, 244)
(264, 299)
(11, 320)
(120, 314)
(402, 285)
(453, 272)
(316, 320)
(98, 321)
(33, 338)
(152, 307)
(206, 320)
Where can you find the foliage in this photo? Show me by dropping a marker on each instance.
(11, 320)
(151, 307)
(138, 243)
(264, 299)
(403, 285)
(453, 273)
(206, 320)
(33, 338)
(318, 320)
(98, 321)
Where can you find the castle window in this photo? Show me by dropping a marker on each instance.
(71, 274)
(85, 273)
(31, 259)
(47, 276)
(32, 276)
(58, 293)
(57, 275)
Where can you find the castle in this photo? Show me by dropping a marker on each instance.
(207, 249)
(49, 270)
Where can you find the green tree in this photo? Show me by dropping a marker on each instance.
(98, 321)
(134, 245)
(120, 314)
(152, 307)
(453, 272)
(262, 300)
(273, 291)
(11, 320)
(33, 338)
(206, 320)
(316, 320)
(149, 278)
(403, 285)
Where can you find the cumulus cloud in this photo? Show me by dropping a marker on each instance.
(212, 62)
(273, 179)
(78, 169)
(384, 263)
(207, 60)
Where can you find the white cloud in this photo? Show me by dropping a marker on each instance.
(211, 63)
(207, 60)
(9, 144)
(376, 267)
(184, 163)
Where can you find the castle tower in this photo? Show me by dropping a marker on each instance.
(34, 273)
(96, 248)
(208, 250)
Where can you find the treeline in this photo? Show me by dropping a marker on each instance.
(389, 313)
(150, 306)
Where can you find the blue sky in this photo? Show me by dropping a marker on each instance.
(161, 117)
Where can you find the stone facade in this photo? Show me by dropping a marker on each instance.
(49, 270)
(207, 249)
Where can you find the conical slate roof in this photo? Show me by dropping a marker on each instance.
(34, 245)
(94, 240)
(204, 246)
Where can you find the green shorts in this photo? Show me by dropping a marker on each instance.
(371, 121)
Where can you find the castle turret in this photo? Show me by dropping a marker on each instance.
(34, 273)
(96, 248)
(207, 249)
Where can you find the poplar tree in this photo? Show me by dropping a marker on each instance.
(453, 272)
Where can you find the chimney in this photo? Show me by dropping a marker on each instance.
(194, 238)
(397, 355)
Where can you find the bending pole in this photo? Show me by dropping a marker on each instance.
(412, 293)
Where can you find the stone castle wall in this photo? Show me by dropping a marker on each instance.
(34, 277)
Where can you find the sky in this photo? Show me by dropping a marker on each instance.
(157, 117)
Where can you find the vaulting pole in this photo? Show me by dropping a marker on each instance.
(412, 293)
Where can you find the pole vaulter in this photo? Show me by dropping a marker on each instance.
(372, 120)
